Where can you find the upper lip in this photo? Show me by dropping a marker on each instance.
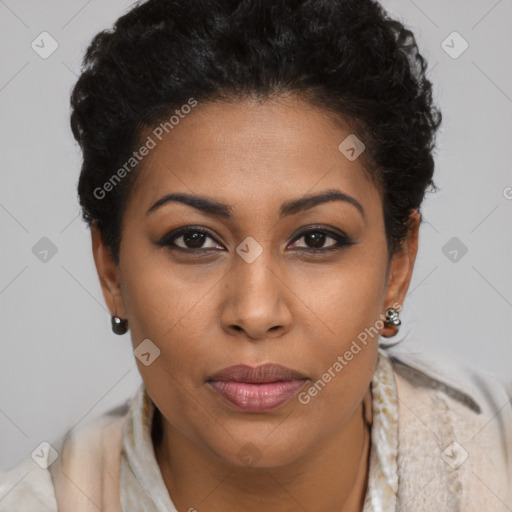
(269, 372)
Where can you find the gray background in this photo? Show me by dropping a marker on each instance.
(61, 365)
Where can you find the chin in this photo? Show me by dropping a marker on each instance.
(261, 452)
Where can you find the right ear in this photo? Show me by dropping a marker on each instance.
(108, 273)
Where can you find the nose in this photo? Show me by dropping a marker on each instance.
(257, 300)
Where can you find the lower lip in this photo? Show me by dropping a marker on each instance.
(253, 397)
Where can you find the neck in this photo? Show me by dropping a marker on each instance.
(332, 477)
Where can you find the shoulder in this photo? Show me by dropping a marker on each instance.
(35, 484)
(455, 426)
(474, 391)
(28, 485)
(477, 388)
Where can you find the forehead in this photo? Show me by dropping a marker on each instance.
(252, 152)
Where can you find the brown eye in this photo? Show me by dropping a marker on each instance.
(188, 239)
(193, 239)
(315, 240)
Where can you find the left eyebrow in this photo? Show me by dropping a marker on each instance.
(218, 209)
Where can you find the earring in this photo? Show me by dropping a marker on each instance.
(119, 325)
(392, 318)
(391, 323)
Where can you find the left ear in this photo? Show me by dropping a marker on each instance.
(400, 271)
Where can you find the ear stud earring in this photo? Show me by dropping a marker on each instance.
(392, 318)
(119, 325)
(391, 323)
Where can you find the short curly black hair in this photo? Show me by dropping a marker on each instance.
(345, 56)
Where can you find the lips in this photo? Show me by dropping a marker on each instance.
(257, 389)
(259, 374)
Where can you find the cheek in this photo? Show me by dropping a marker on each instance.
(175, 314)
(344, 300)
(344, 334)
(346, 372)
(158, 295)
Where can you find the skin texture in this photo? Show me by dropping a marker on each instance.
(209, 311)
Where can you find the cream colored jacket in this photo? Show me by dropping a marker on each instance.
(454, 451)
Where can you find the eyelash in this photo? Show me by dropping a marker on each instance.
(169, 240)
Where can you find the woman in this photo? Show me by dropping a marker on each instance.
(252, 175)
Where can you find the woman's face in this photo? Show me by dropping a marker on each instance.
(252, 290)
